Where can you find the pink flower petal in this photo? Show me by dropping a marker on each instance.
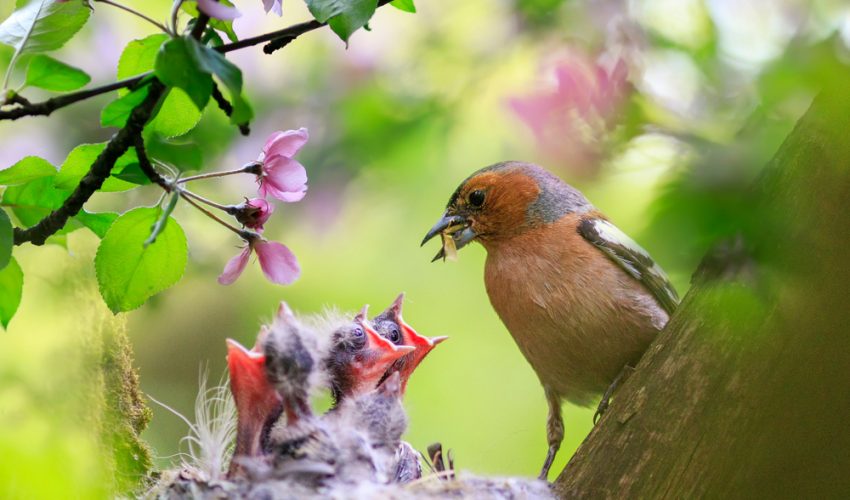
(218, 10)
(235, 266)
(284, 179)
(286, 143)
(278, 262)
(273, 6)
(265, 210)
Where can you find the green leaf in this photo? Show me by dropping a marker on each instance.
(6, 242)
(11, 287)
(99, 223)
(47, 73)
(405, 5)
(213, 62)
(323, 10)
(26, 170)
(116, 113)
(185, 157)
(343, 16)
(34, 200)
(177, 114)
(43, 25)
(80, 160)
(177, 66)
(133, 173)
(128, 273)
(139, 56)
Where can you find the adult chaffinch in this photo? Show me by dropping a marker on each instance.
(390, 325)
(581, 299)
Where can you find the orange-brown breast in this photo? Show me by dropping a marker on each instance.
(575, 315)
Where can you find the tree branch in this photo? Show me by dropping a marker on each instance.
(44, 108)
(97, 174)
(743, 395)
(224, 105)
(146, 166)
(290, 33)
(127, 136)
(278, 40)
(102, 166)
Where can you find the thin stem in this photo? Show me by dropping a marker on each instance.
(209, 202)
(247, 168)
(175, 10)
(212, 215)
(135, 13)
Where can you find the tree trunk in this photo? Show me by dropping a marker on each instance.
(745, 394)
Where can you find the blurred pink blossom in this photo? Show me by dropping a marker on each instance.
(273, 6)
(253, 213)
(276, 260)
(571, 120)
(218, 10)
(282, 177)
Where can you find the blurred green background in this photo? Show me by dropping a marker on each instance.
(396, 121)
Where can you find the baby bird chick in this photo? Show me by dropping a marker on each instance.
(391, 326)
(301, 445)
(257, 403)
(359, 357)
(380, 418)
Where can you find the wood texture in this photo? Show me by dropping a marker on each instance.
(745, 394)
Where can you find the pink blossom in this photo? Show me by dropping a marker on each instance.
(273, 6)
(218, 10)
(282, 177)
(571, 120)
(276, 260)
(253, 213)
(234, 267)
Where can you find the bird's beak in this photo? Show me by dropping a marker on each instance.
(254, 396)
(386, 351)
(439, 340)
(240, 357)
(455, 225)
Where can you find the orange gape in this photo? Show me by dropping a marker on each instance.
(256, 400)
(581, 299)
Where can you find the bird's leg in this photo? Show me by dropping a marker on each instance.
(603, 404)
(554, 430)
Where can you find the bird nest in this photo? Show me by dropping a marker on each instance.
(180, 484)
(283, 449)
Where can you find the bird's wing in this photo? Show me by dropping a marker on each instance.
(631, 257)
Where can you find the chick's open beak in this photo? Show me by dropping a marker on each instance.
(255, 398)
(386, 351)
(455, 225)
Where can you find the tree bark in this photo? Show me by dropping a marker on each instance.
(745, 393)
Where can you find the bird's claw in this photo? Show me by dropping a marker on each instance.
(600, 410)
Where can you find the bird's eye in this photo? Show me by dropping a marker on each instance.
(395, 335)
(358, 332)
(476, 198)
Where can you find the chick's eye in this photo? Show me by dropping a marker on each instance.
(395, 336)
(358, 332)
(476, 198)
